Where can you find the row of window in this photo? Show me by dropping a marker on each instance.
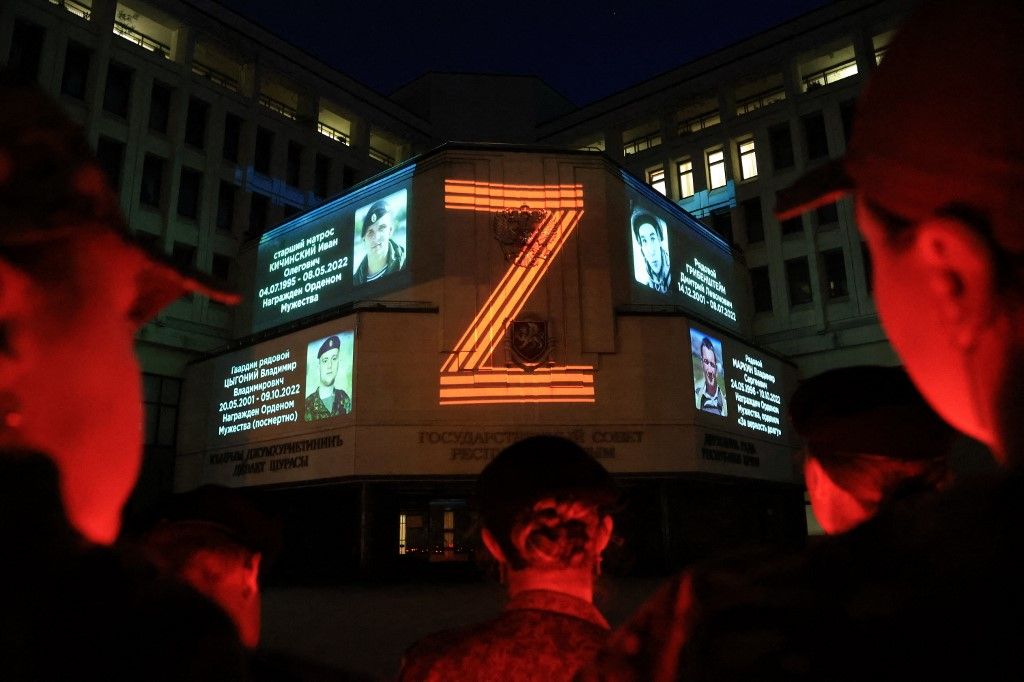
(780, 148)
(799, 287)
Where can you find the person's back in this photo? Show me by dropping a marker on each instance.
(544, 505)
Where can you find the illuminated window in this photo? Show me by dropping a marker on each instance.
(384, 149)
(835, 273)
(656, 179)
(402, 520)
(636, 145)
(798, 281)
(146, 27)
(830, 67)
(685, 170)
(596, 145)
(333, 125)
(880, 43)
(761, 283)
(449, 531)
(716, 168)
(748, 159)
(80, 8)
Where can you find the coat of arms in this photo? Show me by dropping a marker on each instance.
(530, 342)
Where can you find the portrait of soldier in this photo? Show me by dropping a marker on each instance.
(327, 400)
(708, 394)
(650, 237)
(384, 256)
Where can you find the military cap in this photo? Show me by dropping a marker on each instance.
(871, 410)
(228, 511)
(377, 210)
(330, 343)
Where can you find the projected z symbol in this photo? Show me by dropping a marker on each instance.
(465, 379)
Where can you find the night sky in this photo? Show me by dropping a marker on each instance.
(585, 50)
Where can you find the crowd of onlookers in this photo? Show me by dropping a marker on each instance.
(920, 576)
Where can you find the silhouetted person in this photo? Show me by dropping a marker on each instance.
(544, 505)
(870, 440)
(74, 290)
(930, 588)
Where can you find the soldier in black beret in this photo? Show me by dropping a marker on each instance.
(870, 440)
(384, 255)
(328, 401)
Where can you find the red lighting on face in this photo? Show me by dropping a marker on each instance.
(464, 377)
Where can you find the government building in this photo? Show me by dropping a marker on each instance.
(433, 274)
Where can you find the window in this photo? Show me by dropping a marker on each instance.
(184, 255)
(835, 273)
(761, 283)
(322, 176)
(748, 159)
(402, 533)
(195, 122)
(110, 154)
(221, 268)
(151, 189)
(226, 206)
(264, 150)
(721, 222)
(827, 215)
(294, 164)
(846, 112)
(232, 137)
(188, 193)
(160, 107)
(26, 49)
(815, 136)
(259, 210)
(716, 168)
(793, 226)
(834, 63)
(656, 179)
(160, 398)
(685, 170)
(640, 144)
(798, 281)
(348, 176)
(118, 91)
(76, 70)
(780, 140)
(754, 220)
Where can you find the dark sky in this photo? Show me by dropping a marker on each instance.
(584, 49)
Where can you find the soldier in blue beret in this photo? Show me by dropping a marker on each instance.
(328, 401)
(384, 255)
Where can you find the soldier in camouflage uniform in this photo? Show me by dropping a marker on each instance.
(328, 401)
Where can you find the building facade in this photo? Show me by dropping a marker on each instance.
(214, 132)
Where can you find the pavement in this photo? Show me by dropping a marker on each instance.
(364, 628)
